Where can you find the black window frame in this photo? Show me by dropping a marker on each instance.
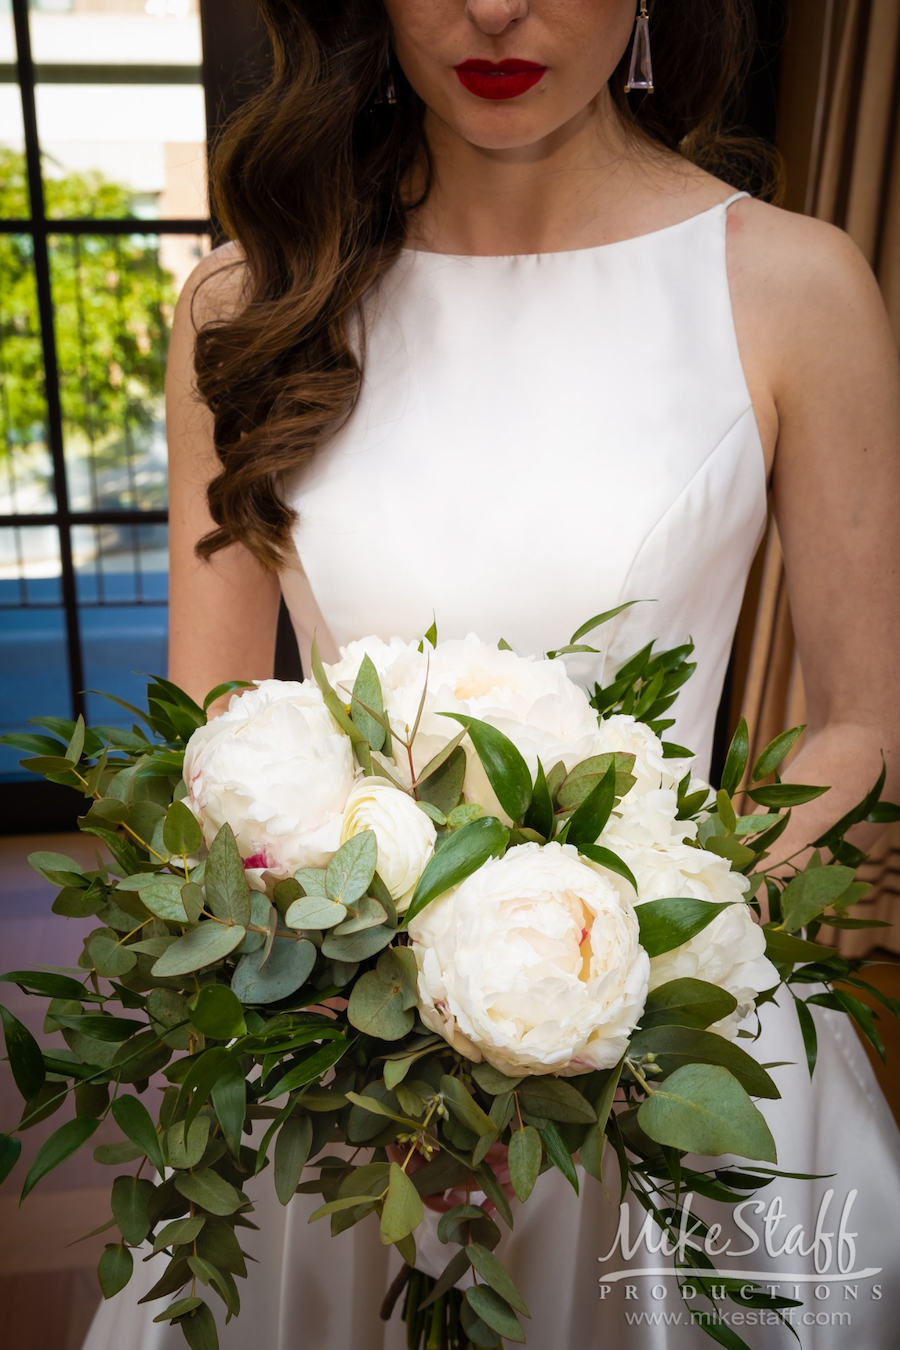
(234, 56)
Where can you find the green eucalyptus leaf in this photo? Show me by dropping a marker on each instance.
(495, 1275)
(25, 1058)
(209, 1190)
(61, 1145)
(291, 1152)
(134, 1120)
(363, 913)
(554, 1099)
(464, 1106)
(202, 946)
(115, 1269)
(558, 1153)
(357, 946)
(288, 967)
(314, 911)
(186, 1144)
(218, 1013)
(676, 1046)
(109, 956)
(491, 1080)
(495, 1312)
(131, 1207)
(229, 1100)
(525, 1155)
(403, 1209)
(351, 869)
(199, 1328)
(367, 691)
(163, 898)
(376, 1007)
(178, 1233)
(227, 891)
(182, 833)
(702, 1108)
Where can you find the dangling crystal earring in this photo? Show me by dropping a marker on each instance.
(640, 72)
(390, 92)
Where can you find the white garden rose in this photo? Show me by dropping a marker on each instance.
(533, 963)
(276, 767)
(730, 951)
(403, 833)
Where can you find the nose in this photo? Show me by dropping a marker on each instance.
(493, 17)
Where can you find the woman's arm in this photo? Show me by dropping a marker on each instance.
(836, 498)
(222, 614)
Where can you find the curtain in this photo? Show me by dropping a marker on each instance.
(839, 117)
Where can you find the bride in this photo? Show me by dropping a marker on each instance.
(492, 341)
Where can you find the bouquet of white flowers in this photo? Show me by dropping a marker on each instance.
(437, 904)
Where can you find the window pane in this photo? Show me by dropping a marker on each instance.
(120, 564)
(114, 298)
(122, 589)
(26, 473)
(13, 182)
(120, 108)
(32, 634)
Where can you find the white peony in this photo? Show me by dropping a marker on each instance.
(531, 700)
(533, 963)
(730, 951)
(276, 767)
(623, 733)
(647, 820)
(404, 834)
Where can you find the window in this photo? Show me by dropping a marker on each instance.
(103, 214)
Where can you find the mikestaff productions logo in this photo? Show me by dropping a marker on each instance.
(817, 1268)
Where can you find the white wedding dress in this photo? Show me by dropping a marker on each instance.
(540, 437)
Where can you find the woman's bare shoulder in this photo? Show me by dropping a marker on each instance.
(803, 293)
(805, 268)
(216, 289)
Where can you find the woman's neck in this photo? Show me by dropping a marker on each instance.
(583, 184)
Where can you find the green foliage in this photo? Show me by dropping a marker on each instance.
(462, 854)
(702, 1108)
(506, 770)
(188, 973)
(674, 920)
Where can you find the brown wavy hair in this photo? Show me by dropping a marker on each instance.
(308, 178)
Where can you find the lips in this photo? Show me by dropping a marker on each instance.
(499, 79)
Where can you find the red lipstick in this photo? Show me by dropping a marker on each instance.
(499, 79)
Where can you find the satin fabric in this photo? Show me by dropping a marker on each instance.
(540, 438)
